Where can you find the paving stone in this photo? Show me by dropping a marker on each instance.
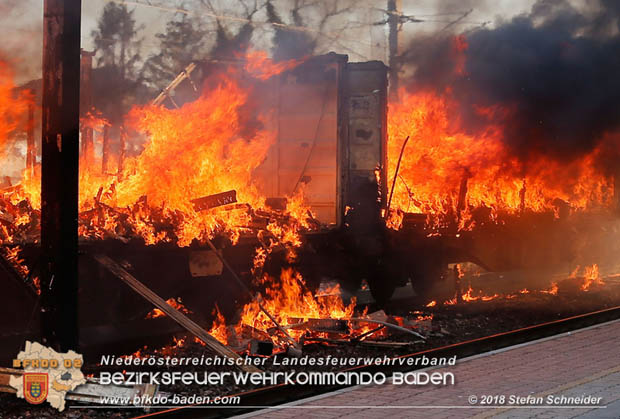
(584, 362)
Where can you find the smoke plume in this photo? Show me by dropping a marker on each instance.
(554, 72)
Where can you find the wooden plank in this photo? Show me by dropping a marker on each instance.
(215, 200)
(5, 377)
(386, 324)
(171, 312)
(173, 84)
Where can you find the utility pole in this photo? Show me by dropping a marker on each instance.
(59, 173)
(393, 7)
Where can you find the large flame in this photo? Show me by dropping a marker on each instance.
(200, 149)
(259, 65)
(441, 161)
(290, 302)
(13, 105)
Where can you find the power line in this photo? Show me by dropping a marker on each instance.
(329, 35)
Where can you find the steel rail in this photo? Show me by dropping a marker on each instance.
(282, 393)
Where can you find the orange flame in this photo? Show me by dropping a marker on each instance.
(219, 330)
(591, 277)
(440, 158)
(286, 299)
(260, 66)
(201, 149)
(13, 106)
(174, 303)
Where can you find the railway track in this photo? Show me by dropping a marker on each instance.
(279, 394)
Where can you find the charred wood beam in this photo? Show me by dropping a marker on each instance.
(30, 146)
(170, 311)
(5, 379)
(88, 143)
(122, 147)
(462, 201)
(457, 284)
(400, 157)
(173, 84)
(522, 193)
(215, 200)
(105, 150)
(323, 325)
(388, 325)
(59, 177)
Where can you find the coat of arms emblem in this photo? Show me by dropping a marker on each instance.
(35, 387)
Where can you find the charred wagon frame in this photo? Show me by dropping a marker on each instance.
(331, 122)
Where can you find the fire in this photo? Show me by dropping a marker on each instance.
(286, 299)
(259, 65)
(94, 120)
(469, 296)
(446, 173)
(219, 330)
(203, 148)
(553, 290)
(591, 277)
(174, 303)
(13, 106)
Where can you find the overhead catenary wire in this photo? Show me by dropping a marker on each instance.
(284, 26)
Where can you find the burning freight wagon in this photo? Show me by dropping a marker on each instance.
(296, 172)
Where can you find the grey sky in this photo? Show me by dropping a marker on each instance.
(21, 21)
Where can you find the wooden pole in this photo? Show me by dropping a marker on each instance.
(59, 173)
(30, 146)
(122, 147)
(105, 149)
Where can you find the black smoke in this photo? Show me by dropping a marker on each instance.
(557, 69)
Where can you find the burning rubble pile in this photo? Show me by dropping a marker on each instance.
(192, 181)
(192, 152)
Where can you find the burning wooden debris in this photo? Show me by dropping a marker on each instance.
(276, 331)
